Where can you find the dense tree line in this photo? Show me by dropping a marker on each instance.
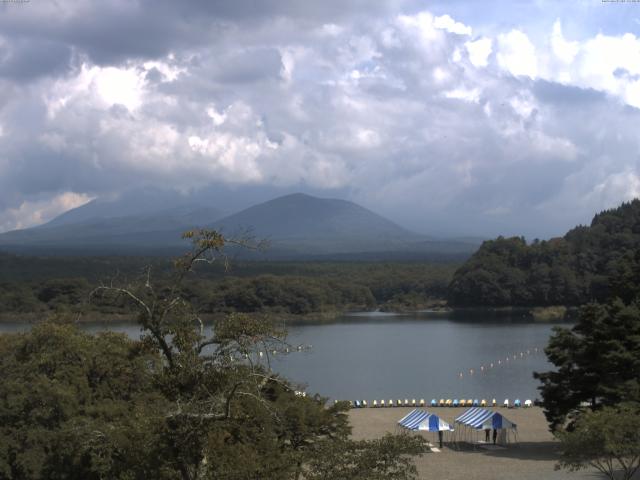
(572, 270)
(15, 268)
(296, 288)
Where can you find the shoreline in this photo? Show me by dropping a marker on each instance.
(535, 314)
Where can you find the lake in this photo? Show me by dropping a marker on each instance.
(419, 355)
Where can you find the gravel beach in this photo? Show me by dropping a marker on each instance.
(533, 457)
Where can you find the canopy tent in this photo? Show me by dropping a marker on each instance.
(424, 421)
(477, 419)
(482, 419)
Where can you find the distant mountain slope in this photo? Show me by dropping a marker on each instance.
(158, 228)
(588, 263)
(106, 228)
(318, 225)
(132, 203)
(297, 225)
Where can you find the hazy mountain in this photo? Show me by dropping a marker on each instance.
(297, 225)
(141, 202)
(145, 217)
(317, 223)
(312, 227)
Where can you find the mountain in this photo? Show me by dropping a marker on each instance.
(305, 223)
(297, 225)
(130, 222)
(304, 226)
(132, 203)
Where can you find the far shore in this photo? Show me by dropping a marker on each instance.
(533, 457)
(537, 314)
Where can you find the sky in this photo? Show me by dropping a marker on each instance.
(449, 117)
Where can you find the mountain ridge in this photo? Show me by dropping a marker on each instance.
(297, 224)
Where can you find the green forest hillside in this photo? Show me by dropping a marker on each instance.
(588, 263)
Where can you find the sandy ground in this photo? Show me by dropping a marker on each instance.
(533, 457)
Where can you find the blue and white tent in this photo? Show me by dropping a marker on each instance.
(482, 419)
(477, 419)
(424, 421)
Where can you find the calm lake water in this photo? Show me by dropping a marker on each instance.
(374, 356)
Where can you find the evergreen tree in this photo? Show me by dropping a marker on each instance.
(597, 361)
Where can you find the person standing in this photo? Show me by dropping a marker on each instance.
(487, 432)
(440, 435)
(495, 435)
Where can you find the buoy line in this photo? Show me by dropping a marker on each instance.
(484, 368)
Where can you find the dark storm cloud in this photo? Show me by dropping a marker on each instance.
(109, 32)
(247, 66)
(564, 95)
(25, 59)
(114, 31)
(253, 10)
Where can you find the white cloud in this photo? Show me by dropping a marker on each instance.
(31, 213)
(479, 51)
(234, 157)
(217, 117)
(468, 95)
(608, 63)
(287, 58)
(117, 86)
(553, 147)
(169, 71)
(441, 75)
(367, 138)
(566, 51)
(331, 30)
(615, 188)
(598, 185)
(611, 64)
(447, 23)
(100, 87)
(517, 54)
(523, 104)
(421, 27)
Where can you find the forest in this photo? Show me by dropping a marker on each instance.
(590, 263)
(33, 286)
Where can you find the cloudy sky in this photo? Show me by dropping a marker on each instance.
(452, 117)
